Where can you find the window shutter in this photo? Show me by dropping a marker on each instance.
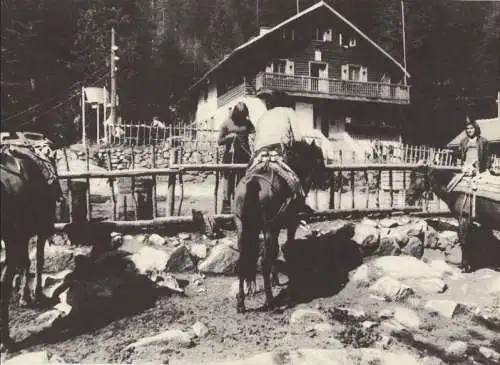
(327, 35)
(364, 74)
(290, 67)
(269, 67)
(344, 72)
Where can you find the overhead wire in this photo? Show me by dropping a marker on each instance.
(33, 107)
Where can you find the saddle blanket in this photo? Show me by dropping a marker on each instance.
(272, 160)
(483, 185)
(48, 168)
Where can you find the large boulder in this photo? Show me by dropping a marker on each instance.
(404, 267)
(221, 260)
(414, 247)
(447, 240)
(388, 247)
(367, 237)
(391, 289)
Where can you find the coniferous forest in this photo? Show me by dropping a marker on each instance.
(51, 48)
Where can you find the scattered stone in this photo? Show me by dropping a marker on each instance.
(407, 317)
(39, 357)
(361, 275)
(385, 341)
(221, 260)
(443, 268)
(388, 247)
(432, 360)
(200, 330)
(454, 255)
(404, 220)
(457, 349)
(369, 222)
(490, 354)
(323, 328)
(168, 281)
(176, 337)
(416, 228)
(369, 324)
(431, 238)
(305, 316)
(199, 250)
(446, 308)
(414, 247)
(386, 314)
(184, 236)
(155, 239)
(403, 267)
(389, 222)
(366, 236)
(391, 289)
(427, 285)
(447, 240)
(150, 259)
(362, 356)
(179, 259)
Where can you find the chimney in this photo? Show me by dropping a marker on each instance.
(264, 30)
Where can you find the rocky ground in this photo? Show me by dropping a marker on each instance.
(406, 304)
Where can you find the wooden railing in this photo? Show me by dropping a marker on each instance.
(333, 87)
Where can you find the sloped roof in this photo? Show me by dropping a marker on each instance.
(490, 129)
(316, 6)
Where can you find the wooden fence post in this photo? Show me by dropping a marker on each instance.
(171, 184)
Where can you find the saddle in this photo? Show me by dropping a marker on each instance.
(10, 153)
(266, 160)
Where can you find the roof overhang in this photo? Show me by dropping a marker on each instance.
(237, 51)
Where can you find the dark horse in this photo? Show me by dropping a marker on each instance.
(426, 178)
(263, 204)
(28, 209)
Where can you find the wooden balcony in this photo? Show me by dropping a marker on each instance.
(333, 88)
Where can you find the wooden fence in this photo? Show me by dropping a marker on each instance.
(142, 194)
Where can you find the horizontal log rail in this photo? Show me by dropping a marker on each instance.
(169, 222)
(176, 169)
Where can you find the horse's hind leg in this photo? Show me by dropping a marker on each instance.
(24, 264)
(240, 296)
(40, 260)
(6, 291)
(269, 261)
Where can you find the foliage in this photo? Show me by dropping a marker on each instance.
(51, 48)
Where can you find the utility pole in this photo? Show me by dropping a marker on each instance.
(404, 37)
(257, 15)
(114, 58)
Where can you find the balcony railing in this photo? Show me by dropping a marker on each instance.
(333, 87)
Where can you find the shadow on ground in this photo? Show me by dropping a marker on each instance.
(318, 266)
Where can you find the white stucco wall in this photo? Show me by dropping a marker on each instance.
(305, 114)
(256, 108)
(207, 108)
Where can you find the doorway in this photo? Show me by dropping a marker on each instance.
(319, 76)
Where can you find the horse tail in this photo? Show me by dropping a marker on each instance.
(249, 250)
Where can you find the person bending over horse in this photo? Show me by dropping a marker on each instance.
(233, 136)
(276, 130)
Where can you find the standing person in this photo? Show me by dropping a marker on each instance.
(474, 153)
(233, 136)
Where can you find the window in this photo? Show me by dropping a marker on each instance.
(354, 73)
(347, 42)
(322, 34)
(281, 66)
